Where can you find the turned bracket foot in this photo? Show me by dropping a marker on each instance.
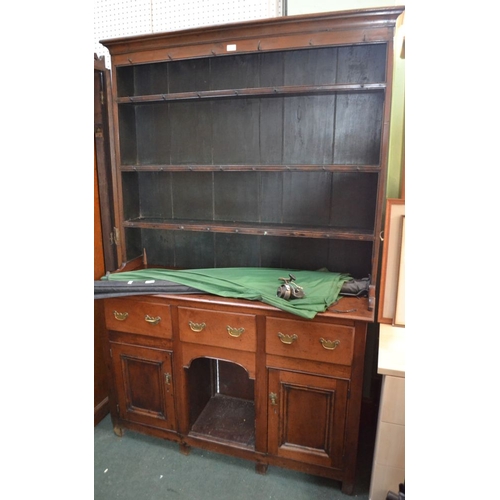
(347, 488)
(119, 431)
(261, 468)
(184, 448)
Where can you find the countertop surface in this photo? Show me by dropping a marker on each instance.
(391, 351)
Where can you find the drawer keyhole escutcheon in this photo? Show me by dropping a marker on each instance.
(120, 316)
(329, 344)
(197, 327)
(151, 320)
(287, 339)
(234, 332)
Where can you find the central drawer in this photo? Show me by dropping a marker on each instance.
(220, 329)
(310, 340)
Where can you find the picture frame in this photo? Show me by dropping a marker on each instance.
(391, 257)
(399, 314)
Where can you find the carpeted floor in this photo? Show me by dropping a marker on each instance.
(138, 467)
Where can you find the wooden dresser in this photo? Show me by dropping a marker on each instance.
(241, 377)
(256, 144)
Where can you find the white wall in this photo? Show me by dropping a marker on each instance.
(295, 7)
(119, 18)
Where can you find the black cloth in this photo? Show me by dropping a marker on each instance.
(108, 289)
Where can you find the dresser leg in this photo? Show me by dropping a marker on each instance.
(261, 468)
(184, 448)
(119, 431)
(347, 488)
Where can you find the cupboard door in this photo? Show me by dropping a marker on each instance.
(307, 415)
(143, 381)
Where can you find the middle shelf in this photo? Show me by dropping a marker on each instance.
(251, 228)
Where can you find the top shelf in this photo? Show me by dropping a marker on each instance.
(312, 70)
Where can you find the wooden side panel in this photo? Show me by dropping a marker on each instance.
(233, 380)
(201, 386)
(101, 402)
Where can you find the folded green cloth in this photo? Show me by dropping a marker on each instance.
(321, 288)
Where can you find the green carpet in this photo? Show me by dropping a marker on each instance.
(139, 467)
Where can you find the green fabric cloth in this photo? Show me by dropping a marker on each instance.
(321, 288)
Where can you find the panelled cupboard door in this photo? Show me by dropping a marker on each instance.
(307, 416)
(144, 389)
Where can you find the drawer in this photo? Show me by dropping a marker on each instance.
(135, 316)
(221, 329)
(310, 340)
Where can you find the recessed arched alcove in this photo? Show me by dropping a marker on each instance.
(221, 401)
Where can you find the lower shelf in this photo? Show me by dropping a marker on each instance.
(227, 419)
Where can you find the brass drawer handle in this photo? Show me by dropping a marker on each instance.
(197, 327)
(234, 332)
(287, 339)
(151, 320)
(120, 316)
(329, 344)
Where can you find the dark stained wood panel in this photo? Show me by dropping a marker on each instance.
(125, 81)
(306, 198)
(134, 243)
(160, 247)
(189, 75)
(354, 200)
(236, 131)
(130, 195)
(128, 137)
(152, 81)
(271, 131)
(310, 67)
(192, 251)
(358, 128)
(294, 253)
(308, 130)
(193, 195)
(352, 257)
(153, 133)
(155, 193)
(271, 197)
(271, 251)
(234, 72)
(190, 133)
(362, 64)
(236, 196)
(237, 250)
(271, 69)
